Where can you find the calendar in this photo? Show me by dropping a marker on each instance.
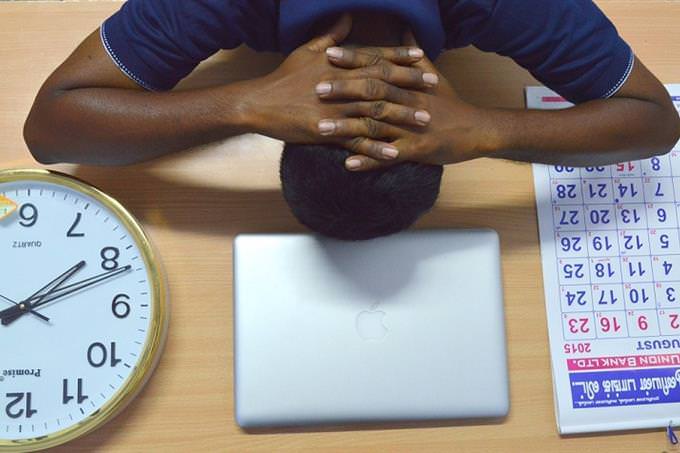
(610, 250)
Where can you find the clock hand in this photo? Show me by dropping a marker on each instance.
(34, 313)
(14, 313)
(58, 280)
(9, 316)
(72, 288)
(7, 299)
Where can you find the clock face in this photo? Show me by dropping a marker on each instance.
(79, 306)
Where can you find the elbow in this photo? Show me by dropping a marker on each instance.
(36, 147)
(660, 135)
(38, 139)
(667, 132)
(674, 131)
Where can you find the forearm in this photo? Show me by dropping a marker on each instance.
(117, 126)
(595, 133)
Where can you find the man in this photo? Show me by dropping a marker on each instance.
(386, 106)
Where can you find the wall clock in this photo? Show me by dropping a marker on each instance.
(83, 312)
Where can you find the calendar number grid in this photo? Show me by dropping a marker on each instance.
(617, 243)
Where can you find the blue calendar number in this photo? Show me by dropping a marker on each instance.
(667, 267)
(659, 190)
(579, 297)
(632, 242)
(630, 215)
(563, 169)
(664, 241)
(607, 297)
(569, 218)
(566, 191)
(598, 190)
(600, 243)
(595, 169)
(670, 294)
(602, 270)
(656, 164)
(600, 216)
(638, 295)
(570, 244)
(573, 271)
(636, 269)
(627, 188)
(661, 215)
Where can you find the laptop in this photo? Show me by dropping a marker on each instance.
(404, 328)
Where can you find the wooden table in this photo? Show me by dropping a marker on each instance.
(194, 203)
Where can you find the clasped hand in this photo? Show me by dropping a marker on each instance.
(385, 105)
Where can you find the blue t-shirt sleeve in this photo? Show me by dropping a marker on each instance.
(568, 45)
(158, 42)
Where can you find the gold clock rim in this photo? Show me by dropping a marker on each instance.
(158, 326)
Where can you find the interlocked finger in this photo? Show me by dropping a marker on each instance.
(359, 127)
(400, 76)
(389, 112)
(367, 90)
(368, 56)
(372, 148)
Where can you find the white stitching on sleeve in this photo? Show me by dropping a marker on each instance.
(124, 69)
(623, 78)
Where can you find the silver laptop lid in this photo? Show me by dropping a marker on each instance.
(408, 327)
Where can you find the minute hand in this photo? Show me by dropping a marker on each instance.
(70, 289)
(13, 313)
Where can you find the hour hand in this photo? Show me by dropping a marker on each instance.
(26, 306)
(34, 313)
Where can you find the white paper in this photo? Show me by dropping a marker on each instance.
(610, 249)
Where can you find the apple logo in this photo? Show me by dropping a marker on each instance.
(370, 325)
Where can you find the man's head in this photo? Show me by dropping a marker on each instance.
(335, 202)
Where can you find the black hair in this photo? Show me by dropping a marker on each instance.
(348, 205)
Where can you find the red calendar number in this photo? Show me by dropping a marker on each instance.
(622, 166)
(612, 325)
(674, 321)
(670, 322)
(606, 324)
(579, 325)
(642, 323)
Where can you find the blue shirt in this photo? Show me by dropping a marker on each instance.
(569, 45)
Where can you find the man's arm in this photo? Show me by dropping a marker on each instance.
(638, 122)
(571, 47)
(89, 112)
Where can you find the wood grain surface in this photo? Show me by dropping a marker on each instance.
(193, 203)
